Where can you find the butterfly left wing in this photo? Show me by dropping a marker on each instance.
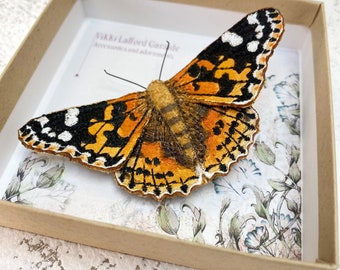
(230, 71)
(100, 135)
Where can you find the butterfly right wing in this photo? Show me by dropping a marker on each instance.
(100, 135)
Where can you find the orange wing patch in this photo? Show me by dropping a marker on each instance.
(131, 127)
(230, 134)
(149, 172)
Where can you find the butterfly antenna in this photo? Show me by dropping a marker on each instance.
(166, 52)
(123, 79)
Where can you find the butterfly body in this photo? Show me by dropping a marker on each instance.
(170, 108)
(178, 134)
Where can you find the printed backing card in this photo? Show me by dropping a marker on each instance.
(256, 208)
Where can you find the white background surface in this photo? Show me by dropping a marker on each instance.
(20, 250)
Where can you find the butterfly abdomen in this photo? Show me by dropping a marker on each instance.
(164, 101)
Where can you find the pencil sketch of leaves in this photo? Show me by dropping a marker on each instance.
(288, 93)
(245, 168)
(167, 219)
(264, 153)
(263, 201)
(297, 236)
(278, 185)
(12, 189)
(50, 177)
(256, 238)
(170, 221)
(198, 222)
(294, 172)
(219, 234)
(39, 182)
(236, 228)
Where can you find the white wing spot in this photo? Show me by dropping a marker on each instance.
(65, 136)
(259, 31)
(71, 117)
(101, 159)
(252, 46)
(232, 38)
(49, 132)
(252, 18)
(46, 130)
(51, 135)
(43, 120)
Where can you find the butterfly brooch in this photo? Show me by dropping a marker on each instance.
(179, 134)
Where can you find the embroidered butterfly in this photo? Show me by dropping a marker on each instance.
(178, 134)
